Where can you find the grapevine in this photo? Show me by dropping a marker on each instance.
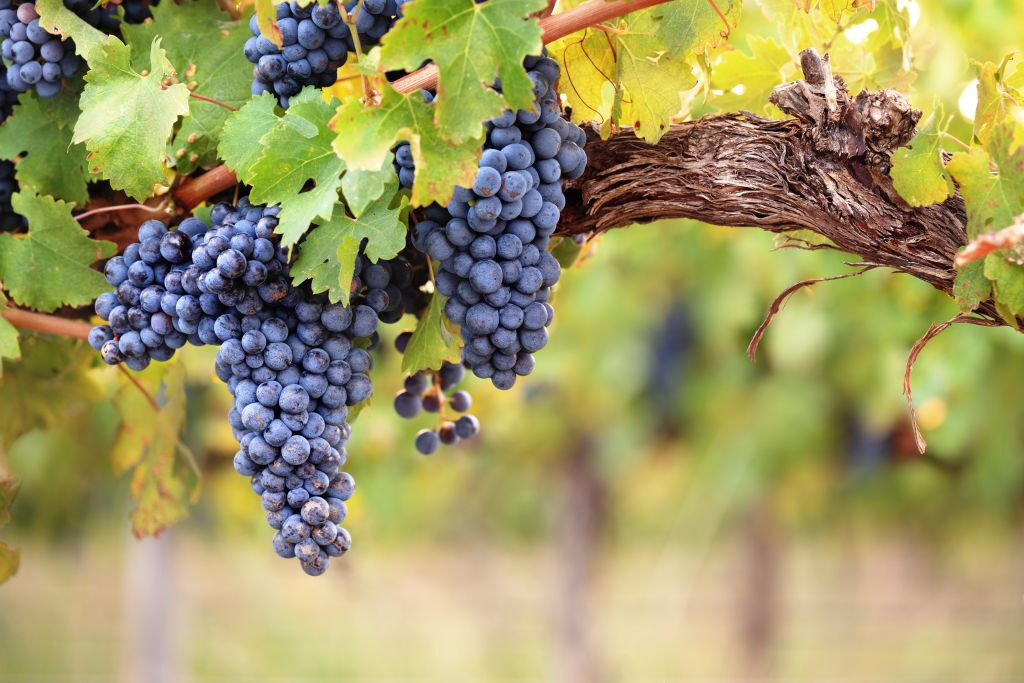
(280, 180)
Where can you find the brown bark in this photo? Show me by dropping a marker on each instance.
(825, 170)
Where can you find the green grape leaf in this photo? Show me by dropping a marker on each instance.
(918, 173)
(993, 199)
(295, 151)
(61, 21)
(10, 558)
(49, 267)
(566, 251)
(433, 341)
(756, 75)
(205, 48)
(688, 27)
(624, 76)
(52, 165)
(362, 188)
(366, 134)
(1006, 144)
(1007, 281)
(328, 254)
(148, 443)
(971, 288)
(127, 118)
(471, 44)
(239, 142)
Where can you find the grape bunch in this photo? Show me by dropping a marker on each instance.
(429, 392)
(492, 238)
(294, 370)
(34, 57)
(157, 305)
(316, 43)
(294, 362)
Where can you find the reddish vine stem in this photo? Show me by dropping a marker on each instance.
(120, 207)
(933, 331)
(781, 299)
(204, 98)
(193, 192)
(50, 324)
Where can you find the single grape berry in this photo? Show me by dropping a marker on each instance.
(427, 442)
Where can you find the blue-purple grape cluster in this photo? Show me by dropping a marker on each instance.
(432, 392)
(492, 238)
(172, 286)
(316, 42)
(293, 379)
(293, 362)
(34, 57)
(9, 221)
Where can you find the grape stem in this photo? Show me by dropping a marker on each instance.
(204, 98)
(50, 324)
(350, 20)
(193, 192)
(120, 207)
(138, 385)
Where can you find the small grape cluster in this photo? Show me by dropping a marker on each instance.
(492, 238)
(9, 221)
(34, 57)
(316, 42)
(429, 391)
(375, 19)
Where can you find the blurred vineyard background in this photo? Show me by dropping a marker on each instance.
(650, 506)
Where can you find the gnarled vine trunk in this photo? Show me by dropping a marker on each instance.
(824, 170)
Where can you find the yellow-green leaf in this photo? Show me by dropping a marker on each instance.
(163, 483)
(471, 44)
(127, 118)
(433, 341)
(918, 172)
(366, 134)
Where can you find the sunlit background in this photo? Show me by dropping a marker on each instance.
(648, 506)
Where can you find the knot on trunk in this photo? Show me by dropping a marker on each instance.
(871, 126)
